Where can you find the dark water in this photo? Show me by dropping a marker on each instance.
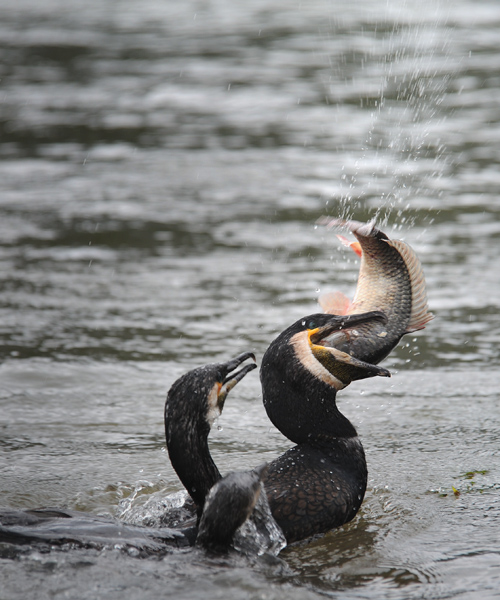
(162, 168)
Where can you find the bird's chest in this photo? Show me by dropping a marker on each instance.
(309, 490)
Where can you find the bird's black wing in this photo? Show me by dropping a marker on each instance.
(56, 527)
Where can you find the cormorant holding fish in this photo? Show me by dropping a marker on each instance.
(320, 483)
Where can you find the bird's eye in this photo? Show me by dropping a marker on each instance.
(311, 324)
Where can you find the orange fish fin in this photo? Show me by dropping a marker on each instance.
(420, 314)
(356, 246)
(334, 303)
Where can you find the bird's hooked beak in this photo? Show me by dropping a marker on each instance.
(230, 378)
(343, 366)
(342, 322)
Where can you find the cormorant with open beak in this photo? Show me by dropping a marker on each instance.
(193, 403)
(320, 483)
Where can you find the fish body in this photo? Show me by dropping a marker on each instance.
(390, 280)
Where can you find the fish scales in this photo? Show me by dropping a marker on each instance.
(390, 280)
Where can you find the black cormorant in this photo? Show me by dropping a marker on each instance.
(320, 483)
(193, 403)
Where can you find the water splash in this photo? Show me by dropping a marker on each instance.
(159, 510)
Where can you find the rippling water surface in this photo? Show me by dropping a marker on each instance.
(162, 168)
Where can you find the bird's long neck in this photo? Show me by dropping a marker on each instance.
(319, 421)
(302, 406)
(196, 469)
(329, 423)
(187, 443)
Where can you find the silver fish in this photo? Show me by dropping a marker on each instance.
(390, 280)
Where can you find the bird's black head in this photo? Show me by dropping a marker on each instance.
(198, 396)
(306, 343)
(228, 505)
(301, 373)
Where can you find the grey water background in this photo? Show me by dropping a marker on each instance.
(163, 165)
